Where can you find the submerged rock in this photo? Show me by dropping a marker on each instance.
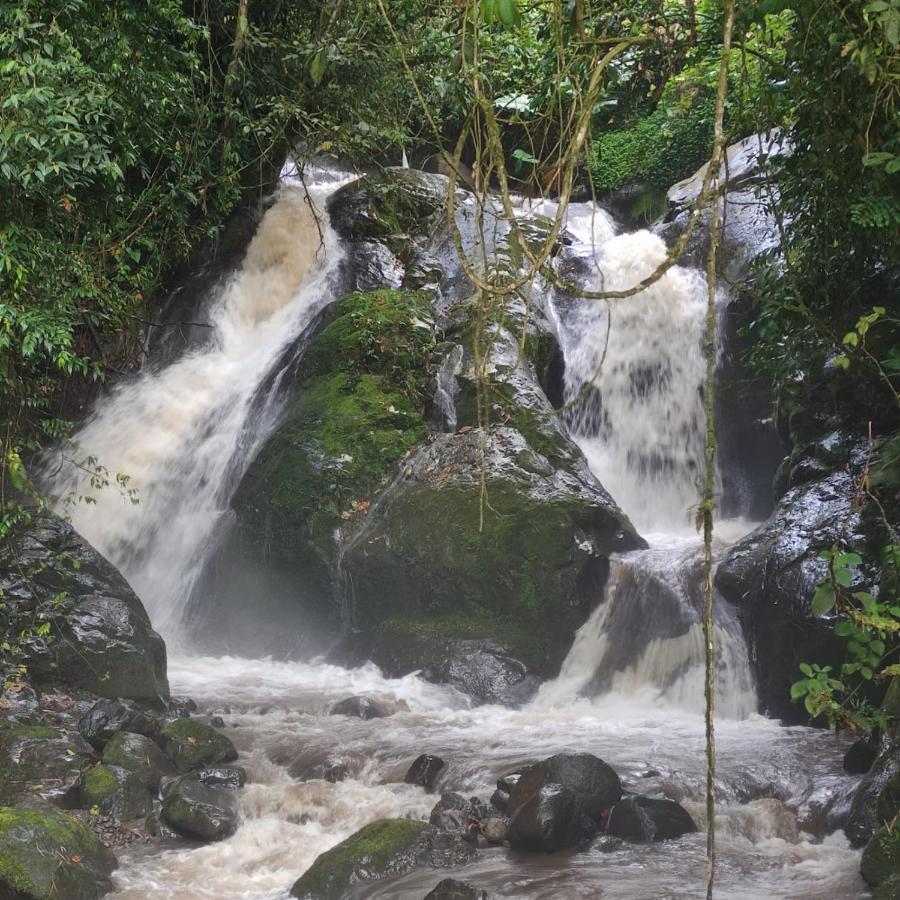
(649, 819)
(51, 855)
(100, 636)
(452, 812)
(451, 889)
(424, 771)
(198, 810)
(484, 671)
(359, 708)
(191, 745)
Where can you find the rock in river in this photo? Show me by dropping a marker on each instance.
(649, 819)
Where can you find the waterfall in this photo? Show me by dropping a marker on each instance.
(634, 390)
(183, 435)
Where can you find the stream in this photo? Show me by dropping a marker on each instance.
(629, 692)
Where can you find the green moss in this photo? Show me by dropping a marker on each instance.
(99, 783)
(889, 801)
(33, 732)
(888, 890)
(881, 858)
(34, 848)
(660, 149)
(357, 410)
(372, 849)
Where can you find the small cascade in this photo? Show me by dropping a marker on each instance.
(645, 639)
(183, 435)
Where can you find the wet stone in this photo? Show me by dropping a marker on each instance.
(106, 717)
(647, 819)
(452, 889)
(197, 810)
(139, 754)
(500, 800)
(191, 745)
(223, 776)
(452, 812)
(424, 771)
(335, 770)
(360, 708)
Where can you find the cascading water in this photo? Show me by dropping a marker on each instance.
(628, 690)
(183, 435)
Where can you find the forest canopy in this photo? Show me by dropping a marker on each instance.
(131, 131)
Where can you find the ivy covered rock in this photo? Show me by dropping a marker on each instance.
(51, 855)
(84, 628)
(385, 848)
(191, 745)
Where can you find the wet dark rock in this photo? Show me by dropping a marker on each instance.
(507, 782)
(866, 807)
(191, 745)
(106, 717)
(547, 820)
(452, 812)
(18, 698)
(861, 755)
(881, 858)
(115, 792)
(607, 843)
(385, 848)
(771, 576)
(500, 800)
(138, 754)
(223, 776)
(647, 819)
(43, 760)
(750, 226)
(335, 770)
(46, 855)
(198, 810)
(486, 672)
(101, 639)
(217, 722)
(425, 771)
(595, 785)
(181, 707)
(452, 889)
(359, 708)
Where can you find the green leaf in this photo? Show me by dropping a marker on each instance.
(806, 669)
(317, 65)
(798, 689)
(823, 599)
(524, 156)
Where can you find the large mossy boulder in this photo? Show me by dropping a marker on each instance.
(99, 637)
(385, 848)
(439, 558)
(115, 792)
(51, 855)
(192, 745)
